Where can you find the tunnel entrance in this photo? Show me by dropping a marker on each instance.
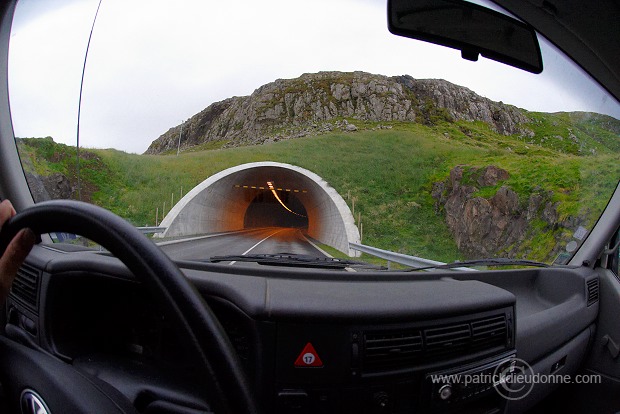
(267, 210)
(247, 196)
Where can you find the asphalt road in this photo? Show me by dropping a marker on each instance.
(256, 241)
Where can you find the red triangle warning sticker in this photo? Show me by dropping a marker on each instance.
(308, 357)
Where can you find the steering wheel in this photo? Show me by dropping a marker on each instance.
(227, 388)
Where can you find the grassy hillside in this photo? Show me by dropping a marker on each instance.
(390, 172)
(575, 132)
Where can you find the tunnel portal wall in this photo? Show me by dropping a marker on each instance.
(220, 203)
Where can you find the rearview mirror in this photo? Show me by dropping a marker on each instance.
(468, 27)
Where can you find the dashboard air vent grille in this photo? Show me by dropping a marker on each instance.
(392, 350)
(447, 339)
(592, 291)
(26, 286)
(489, 332)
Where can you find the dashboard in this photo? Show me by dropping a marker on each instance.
(312, 341)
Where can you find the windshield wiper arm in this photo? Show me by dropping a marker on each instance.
(484, 262)
(288, 259)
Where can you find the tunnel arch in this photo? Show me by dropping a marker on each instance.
(220, 203)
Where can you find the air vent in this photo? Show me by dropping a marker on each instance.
(489, 333)
(592, 291)
(448, 339)
(391, 350)
(26, 286)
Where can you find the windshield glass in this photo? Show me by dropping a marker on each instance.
(306, 128)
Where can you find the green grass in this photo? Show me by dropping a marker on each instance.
(389, 173)
(207, 146)
(577, 133)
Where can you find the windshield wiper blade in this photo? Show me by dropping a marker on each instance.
(484, 262)
(288, 259)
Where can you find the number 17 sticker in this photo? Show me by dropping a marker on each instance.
(308, 358)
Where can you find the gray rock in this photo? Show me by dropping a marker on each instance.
(492, 175)
(484, 227)
(325, 96)
(53, 187)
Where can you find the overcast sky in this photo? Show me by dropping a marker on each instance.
(155, 63)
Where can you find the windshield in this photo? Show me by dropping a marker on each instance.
(239, 128)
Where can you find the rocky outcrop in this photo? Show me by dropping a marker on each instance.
(464, 104)
(489, 226)
(51, 171)
(51, 187)
(321, 102)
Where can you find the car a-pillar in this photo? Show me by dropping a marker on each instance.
(265, 194)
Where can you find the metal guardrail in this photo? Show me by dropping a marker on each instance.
(151, 230)
(404, 259)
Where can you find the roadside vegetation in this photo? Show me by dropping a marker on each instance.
(387, 174)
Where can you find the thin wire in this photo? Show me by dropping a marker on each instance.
(79, 181)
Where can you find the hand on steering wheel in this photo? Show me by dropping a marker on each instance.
(15, 252)
(227, 387)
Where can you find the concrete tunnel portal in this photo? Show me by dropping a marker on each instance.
(265, 194)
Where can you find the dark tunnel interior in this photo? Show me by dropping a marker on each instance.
(266, 211)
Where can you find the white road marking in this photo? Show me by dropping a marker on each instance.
(250, 249)
(208, 236)
(315, 246)
(348, 269)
